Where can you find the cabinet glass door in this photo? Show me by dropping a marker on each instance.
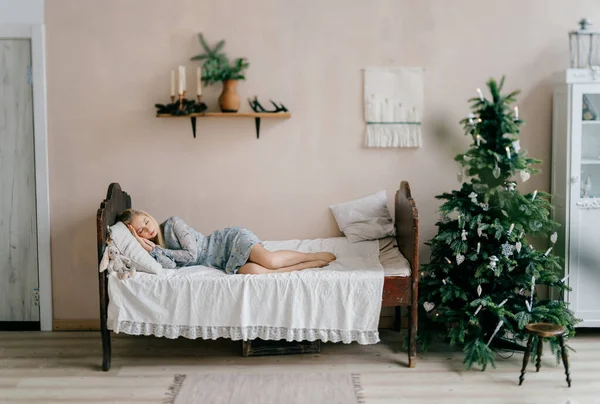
(587, 150)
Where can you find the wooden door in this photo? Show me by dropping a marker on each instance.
(19, 299)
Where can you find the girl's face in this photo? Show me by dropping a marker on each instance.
(144, 227)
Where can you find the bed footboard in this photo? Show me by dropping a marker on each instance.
(407, 236)
(115, 203)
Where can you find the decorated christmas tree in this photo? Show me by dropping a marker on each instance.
(479, 289)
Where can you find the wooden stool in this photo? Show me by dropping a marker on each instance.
(544, 330)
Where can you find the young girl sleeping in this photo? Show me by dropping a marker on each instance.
(235, 250)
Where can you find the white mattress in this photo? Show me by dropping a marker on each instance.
(392, 260)
(338, 303)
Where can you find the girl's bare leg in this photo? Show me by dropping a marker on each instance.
(284, 258)
(255, 269)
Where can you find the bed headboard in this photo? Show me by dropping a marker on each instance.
(407, 227)
(115, 203)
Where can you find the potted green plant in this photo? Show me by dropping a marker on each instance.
(217, 68)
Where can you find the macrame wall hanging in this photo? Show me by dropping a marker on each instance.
(393, 106)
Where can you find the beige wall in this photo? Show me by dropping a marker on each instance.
(109, 62)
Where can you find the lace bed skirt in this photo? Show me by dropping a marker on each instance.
(244, 333)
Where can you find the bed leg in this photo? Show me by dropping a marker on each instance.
(106, 349)
(104, 331)
(397, 318)
(412, 336)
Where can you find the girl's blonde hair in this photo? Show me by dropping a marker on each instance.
(128, 215)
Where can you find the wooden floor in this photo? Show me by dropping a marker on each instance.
(60, 367)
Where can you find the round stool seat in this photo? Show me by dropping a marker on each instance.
(546, 330)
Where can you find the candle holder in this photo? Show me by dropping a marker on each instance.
(181, 106)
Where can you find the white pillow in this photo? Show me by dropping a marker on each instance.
(129, 247)
(366, 218)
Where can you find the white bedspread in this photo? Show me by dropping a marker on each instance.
(338, 303)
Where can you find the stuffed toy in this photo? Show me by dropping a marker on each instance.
(119, 263)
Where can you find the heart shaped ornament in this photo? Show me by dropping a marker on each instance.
(428, 306)
(460, 259)
(524, 175)
(554, 237)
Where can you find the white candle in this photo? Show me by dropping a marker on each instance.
(478, 140)
(181, 79)
(199, 80)
(480, 94)
(508, 152)
(172, 83)
(534, 195)
(517, 113)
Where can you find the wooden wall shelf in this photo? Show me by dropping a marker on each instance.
(256, 115)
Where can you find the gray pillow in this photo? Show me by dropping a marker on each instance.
(366, 218)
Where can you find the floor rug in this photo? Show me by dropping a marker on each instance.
(266, 388)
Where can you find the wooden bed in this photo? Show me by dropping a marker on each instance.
(397, 291)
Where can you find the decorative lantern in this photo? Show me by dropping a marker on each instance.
(584, 46)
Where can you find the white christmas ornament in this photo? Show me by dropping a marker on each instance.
(485, 206)
(428, 306)
(554, 237)
(518, 246)
(507, 249)
(528, 305)
(444, 281)
(460, 259)
(493, 261)
(478, 247)
(524, 175)
(496, 171)
(471, 117)
(463, 235)
(479, 290)
(495, 331)
(479, 231)
(473, 197)
(532, 291)
(516, 145)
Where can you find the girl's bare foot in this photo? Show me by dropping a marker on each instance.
(324, 256)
